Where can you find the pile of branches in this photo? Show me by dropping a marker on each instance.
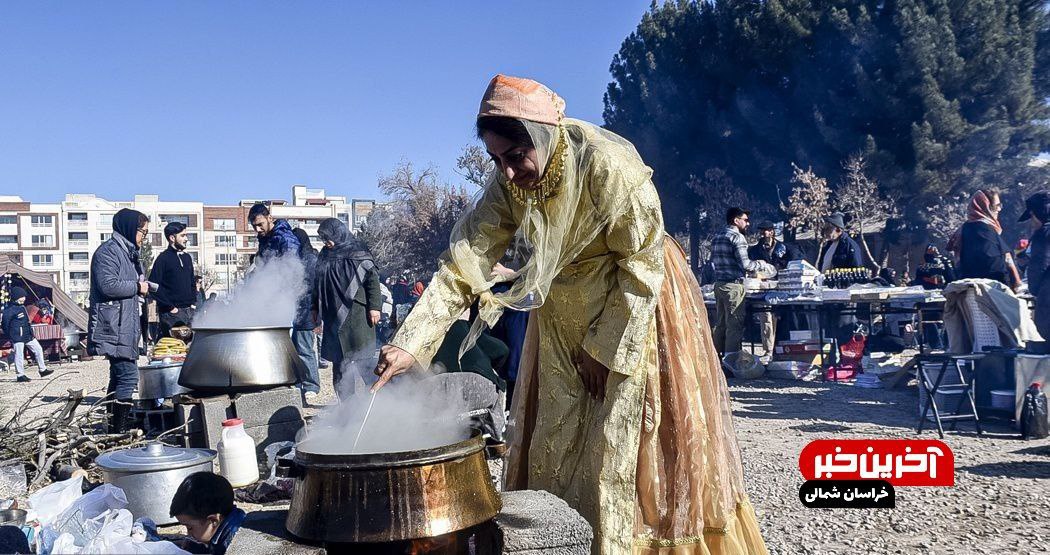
(70, 437)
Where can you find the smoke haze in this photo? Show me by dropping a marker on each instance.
(410, 413)
(267, 296)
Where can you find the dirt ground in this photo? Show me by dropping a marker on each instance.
(1000, 503)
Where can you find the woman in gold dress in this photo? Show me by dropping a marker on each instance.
(622, 409)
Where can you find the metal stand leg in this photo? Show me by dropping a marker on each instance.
(931, 401)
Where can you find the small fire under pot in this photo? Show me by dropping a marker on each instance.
(438, 500)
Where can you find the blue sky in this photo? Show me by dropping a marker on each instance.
(218, 101)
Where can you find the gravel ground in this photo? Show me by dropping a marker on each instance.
(1000, 503)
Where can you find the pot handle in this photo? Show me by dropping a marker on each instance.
(286, 468)
(495, 449)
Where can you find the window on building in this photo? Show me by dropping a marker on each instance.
(43, 240)
(78, 256)
(194, 258)
(252, 241)
(8, 220)
(104, 236)
(78, 236)
(225, 240)
(157, 240)
(77, 216)
(345, 218)
(78, 275)
(191, 239)
(105, 220)
(225, 259)
(223, 224)
(43, 260)
(183, 219)
(42, 221)
(8, 239)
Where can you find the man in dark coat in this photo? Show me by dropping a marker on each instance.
(1037, 209)
(172, 271)
(15, 323)
(349, 301)
(768, 248)
(276, 237)
(839, 249)
(936, 270)
(118, 288)
(303, 336)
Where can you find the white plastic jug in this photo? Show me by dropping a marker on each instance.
(237, 459)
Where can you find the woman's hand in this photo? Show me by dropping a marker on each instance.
(392, 361)
(592, 373)
(373, 317)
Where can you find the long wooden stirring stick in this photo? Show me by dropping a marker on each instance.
(365, 421)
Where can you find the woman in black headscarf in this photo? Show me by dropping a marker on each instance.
(348, 298)
(118, 286)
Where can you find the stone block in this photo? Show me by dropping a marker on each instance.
(263, 533)
(539, 523)
(205, 416)
(281, 404)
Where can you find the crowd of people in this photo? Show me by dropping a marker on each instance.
(604, 315)
(976, 250)
(340, 320)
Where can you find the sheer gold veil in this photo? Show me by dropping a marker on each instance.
(557, 221)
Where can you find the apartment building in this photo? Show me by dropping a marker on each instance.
(31, 234)
(59, 239)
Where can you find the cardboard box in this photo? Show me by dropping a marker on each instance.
(797, 347)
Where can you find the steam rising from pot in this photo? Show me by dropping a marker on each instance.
(410, 413)
(267, 296)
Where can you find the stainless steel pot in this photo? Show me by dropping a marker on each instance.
(387, 497)
(160, 381)
(150, 475)
(13, 517)
(241, 359)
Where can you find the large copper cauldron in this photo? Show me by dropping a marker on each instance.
(387, 497)
(227, 360)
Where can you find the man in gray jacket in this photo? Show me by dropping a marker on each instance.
(117, 285)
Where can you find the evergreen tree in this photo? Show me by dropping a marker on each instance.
(938, 96)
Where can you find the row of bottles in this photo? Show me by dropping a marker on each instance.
(841, 278)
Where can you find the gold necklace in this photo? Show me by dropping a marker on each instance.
(547, 186)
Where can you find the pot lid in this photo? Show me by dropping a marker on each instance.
(161, 364)
(155, 456)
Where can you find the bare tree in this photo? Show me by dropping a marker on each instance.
(809, 203)
(810, 200)
(413, 230)
(859, 198)
(209, 278)
(943, 218)
(719, 193)
(474, 165)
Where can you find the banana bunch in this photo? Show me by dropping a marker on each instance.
(169, 346)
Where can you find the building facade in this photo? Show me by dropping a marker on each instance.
(59, 239)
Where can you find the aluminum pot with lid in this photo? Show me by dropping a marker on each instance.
(160, 380)
(150, 475)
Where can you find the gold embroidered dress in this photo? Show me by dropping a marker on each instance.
(594, 282)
